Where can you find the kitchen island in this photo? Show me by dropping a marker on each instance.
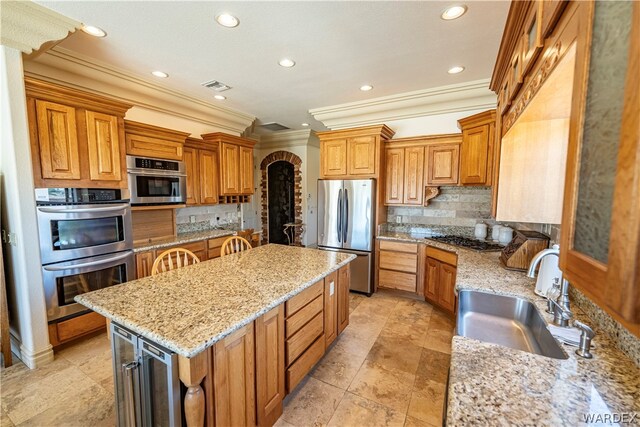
(225, 320)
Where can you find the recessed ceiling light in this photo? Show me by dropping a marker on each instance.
(453, 12)
(304, 124)
(366, 88)
(455, 70)
(93, 31)
(160, 74)
(220, 97)
(287, 63)
(227, 20)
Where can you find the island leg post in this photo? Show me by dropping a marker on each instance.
(192, 372)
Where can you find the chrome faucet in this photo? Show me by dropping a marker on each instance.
(562, 306)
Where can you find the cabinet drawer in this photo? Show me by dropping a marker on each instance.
(303, 365)
(396, 280)
(78, 326)
(304, 298)
(443, 256)
(390, 245)
(299, 319)
(399, 261)
(300, 341)
(215, 246)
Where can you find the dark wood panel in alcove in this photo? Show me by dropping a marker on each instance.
(281, 199)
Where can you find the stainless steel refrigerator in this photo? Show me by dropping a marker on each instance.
(346, 221)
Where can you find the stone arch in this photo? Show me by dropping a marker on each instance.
(296, 162)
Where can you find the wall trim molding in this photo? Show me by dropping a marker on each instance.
(63, 66)
(459, 97)
(288, 138)
(26, 25)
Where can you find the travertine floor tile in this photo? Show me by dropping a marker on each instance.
(413, 333)
(416, 422)
(312, 403)
(389, 387)
(5, 421)
(438, 340)
(395, 353)
(350, 342)
(427, 402)
(358, 411)
(433, 366)
(338, 367)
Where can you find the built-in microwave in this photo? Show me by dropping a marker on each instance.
(156, 181)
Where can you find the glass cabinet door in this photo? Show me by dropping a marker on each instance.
(160, 386)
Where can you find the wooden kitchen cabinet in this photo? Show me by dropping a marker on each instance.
(234, 379)
(192, 170)
(476, 150)
(330, 308)
(235, 163)
(270, 387)
(77, 138)
(397, 265)
(145, 259)
(413, 175)
(201, 163)
(153, 141)
(76, 327)
(353, 153)
(440, 278)
(344, 280)
(415, 162)
(144, 263)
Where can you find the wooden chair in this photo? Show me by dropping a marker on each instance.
(173, 258)
(235, 244)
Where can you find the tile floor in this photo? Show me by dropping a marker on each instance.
(388, 368)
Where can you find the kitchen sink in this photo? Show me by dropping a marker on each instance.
(505, 320)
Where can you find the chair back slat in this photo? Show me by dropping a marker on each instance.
(234, 244)
(165, 261)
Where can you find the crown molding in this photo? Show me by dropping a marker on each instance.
(26, 25)
(289, 138)
(62, 66)
(460, 97)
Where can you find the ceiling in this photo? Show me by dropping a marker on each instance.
(338, 46)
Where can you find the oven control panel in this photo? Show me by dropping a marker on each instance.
(77, 195)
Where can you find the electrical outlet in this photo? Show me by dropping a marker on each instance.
(332, 288)
(398, 219)
(192, 219)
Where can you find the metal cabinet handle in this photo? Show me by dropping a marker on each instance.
(339, 215)
(87, 264)
(346, 215)
(118, 207)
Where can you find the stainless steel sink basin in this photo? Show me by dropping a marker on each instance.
(509, 321)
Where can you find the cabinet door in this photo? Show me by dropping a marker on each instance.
(333, 156)
(344, 276)
(474, 156)
(246, 170)
(431, 280)
(394, 177)
(442, 164)
(144, 262)
(234, 379)
(58, 140)
(104, 147)
(208, 177)
(361, 155)
(270, 366)
(229, 169)
(190, 158)
(446, 287)
(330, 308)
(149, 146)
(413, 175)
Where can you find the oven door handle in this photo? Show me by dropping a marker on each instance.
(87, 264)
(164, 174)
(114, 208)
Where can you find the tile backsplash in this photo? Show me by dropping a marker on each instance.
(207, 217)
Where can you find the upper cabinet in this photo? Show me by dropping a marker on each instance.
(235, 157)
(77, 138)
(153, 141)
(353, 153)
(418, 162)
(476, 151)
(201, 165)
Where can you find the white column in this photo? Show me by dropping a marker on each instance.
(24, 276)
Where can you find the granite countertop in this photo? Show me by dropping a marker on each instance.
(181, 238)
(494, 385)
(189, 309)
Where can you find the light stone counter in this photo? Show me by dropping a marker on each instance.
(189, 309)
(494, 385)
(181, 239)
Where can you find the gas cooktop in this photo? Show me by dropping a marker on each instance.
(465, 242)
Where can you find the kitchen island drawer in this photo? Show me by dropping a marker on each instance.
(300, 341)
(303, 316)
(304, 298)
(296, 372)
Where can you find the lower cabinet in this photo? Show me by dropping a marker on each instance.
(398, 265)
(270, 387)
(344, 279)
(440, 279)
(330, 308)
(203, 249)
(68, 330)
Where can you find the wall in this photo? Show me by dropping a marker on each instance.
(430, 125)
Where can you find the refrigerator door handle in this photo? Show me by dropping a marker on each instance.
(345, 224)
(130, 375)
(339, 216)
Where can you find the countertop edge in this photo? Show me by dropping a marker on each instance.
(180, 240)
